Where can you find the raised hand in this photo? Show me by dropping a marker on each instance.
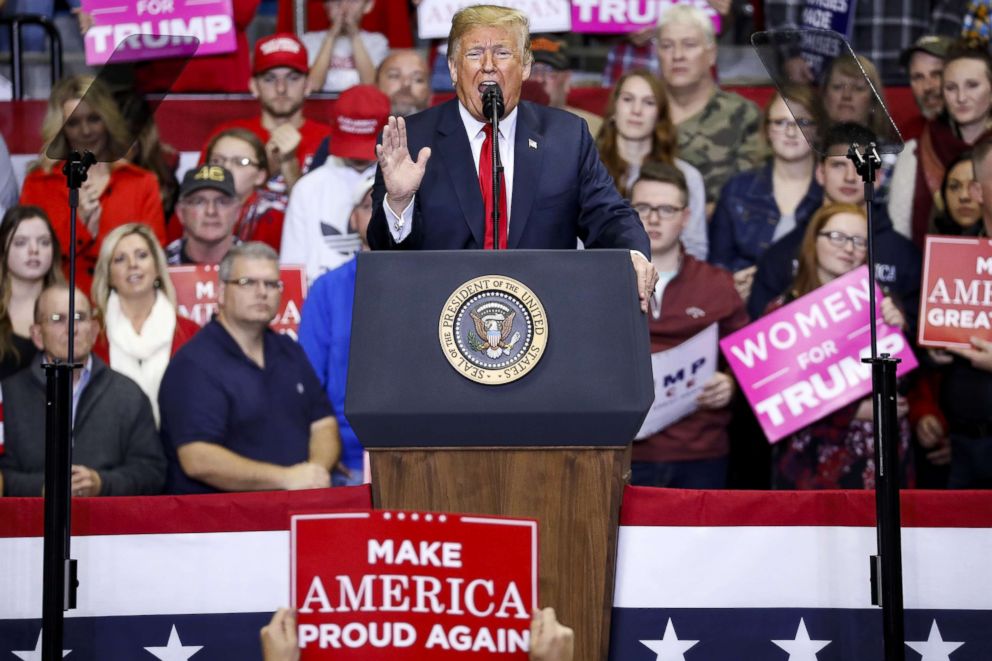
(401, 174)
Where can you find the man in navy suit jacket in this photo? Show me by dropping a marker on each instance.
(557, 189)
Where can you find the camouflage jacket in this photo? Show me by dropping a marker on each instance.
(722, 140)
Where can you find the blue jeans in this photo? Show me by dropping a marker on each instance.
(697, 474)
(33, 36)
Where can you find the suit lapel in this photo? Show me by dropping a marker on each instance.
(453, 148)
(527, 157)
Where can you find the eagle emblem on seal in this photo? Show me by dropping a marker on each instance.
(493, 325)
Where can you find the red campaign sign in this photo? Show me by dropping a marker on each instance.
(956, 301)
(196, 295)
(408, 586)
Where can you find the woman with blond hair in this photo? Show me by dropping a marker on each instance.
(31, 261)
(836, 452)
(133, 294)
(82, 115)
(637, 128)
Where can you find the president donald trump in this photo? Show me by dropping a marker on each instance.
(554, 187)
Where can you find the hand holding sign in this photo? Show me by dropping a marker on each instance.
(550, 640)
(279, 641)
(980, 354)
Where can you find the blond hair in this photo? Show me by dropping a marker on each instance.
(100, 291)
(490, 16)
(100, 99)
(686, 14)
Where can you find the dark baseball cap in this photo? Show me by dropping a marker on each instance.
(931, 44)
(549, 49)
(207, 176)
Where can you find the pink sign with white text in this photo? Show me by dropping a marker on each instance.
(156, 29)
(620, 17)
(803, 361)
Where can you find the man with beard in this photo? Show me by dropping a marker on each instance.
(405, 78)
(279, 82)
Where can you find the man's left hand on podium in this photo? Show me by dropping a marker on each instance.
(647, 278)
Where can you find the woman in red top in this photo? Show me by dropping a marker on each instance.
(135, 297)
(83, 115)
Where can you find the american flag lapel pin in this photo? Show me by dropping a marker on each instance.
(532, 143)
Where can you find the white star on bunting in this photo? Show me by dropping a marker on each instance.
(669, 648)
(934, 648)
(35, 654)
(174, 649)
(802, 648)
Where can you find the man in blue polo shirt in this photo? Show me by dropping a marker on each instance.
(242, 409)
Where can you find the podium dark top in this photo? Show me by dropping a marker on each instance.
(561, 190)
(592, 387)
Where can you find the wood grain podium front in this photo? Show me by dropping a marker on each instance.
(552, 443)
(573, 492)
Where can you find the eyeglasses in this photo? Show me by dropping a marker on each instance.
(199, 203)
(253, 283)
(785, 124)
(59, 319)
(839, 240)
(663, 211)
(240, 161)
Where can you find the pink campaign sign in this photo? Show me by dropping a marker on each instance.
(155, 29)
(622, 16)
(803, 361)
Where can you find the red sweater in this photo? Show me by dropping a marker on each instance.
(132, 195)
(699, 295)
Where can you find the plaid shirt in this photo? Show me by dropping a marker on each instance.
(625, 56)
(882, 28)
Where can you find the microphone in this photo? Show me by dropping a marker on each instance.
(492, 100)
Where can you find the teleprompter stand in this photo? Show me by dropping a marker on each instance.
(886, 565)
(820, 50)
(59, 569)
(553, 445)
(137, 96)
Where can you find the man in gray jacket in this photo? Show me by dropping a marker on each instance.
(116, 450)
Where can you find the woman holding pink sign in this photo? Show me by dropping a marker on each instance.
(836, 452)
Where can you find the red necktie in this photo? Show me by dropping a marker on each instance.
(486, 184)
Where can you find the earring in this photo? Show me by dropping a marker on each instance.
(157, 283)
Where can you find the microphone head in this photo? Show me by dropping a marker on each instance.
(492, 100)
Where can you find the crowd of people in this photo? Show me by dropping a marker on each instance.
(729, 211)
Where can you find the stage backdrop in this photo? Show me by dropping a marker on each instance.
(160, 576)
(783, 576)
(701, 576)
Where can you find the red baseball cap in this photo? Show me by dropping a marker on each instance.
(282, 49)
(359, 115)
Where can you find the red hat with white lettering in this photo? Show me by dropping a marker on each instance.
(359, 115)
(280, 50)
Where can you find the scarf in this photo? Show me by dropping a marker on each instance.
(938, 146)
(142, 357)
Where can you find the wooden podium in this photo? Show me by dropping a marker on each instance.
(552, 445)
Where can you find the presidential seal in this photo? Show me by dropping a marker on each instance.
(493, 330)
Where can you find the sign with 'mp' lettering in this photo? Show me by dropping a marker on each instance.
(956, 304)
(803, 361)
(148, 29)
(196, 295)
(409, 586)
